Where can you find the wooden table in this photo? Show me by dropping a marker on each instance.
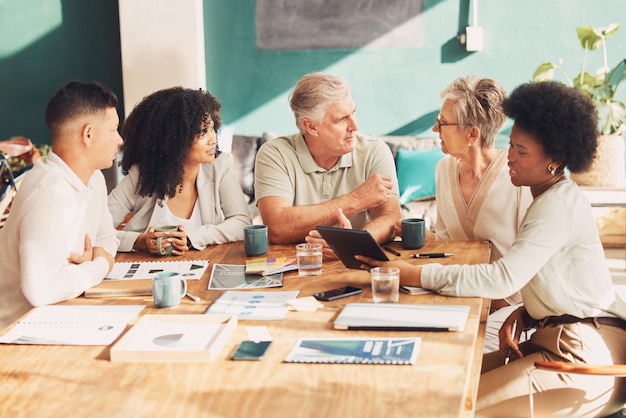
(80, 381)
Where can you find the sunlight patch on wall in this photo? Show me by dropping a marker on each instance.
(272, 111)
(276, 114)
(20, 27)
(407, 34)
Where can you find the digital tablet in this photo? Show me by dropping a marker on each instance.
(347, 243)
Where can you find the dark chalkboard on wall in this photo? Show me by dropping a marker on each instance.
(314, 24)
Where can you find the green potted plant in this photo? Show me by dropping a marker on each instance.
(601, 87)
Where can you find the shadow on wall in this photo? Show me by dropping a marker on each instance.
(232, 52)
(453, 50)
(423, 123)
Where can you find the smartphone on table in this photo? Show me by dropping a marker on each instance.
(251, 350)
(341, 292)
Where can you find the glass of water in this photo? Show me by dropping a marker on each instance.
(385, 284)
(309, 257)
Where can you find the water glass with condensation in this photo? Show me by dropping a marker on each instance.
(385, 284)
(309, 258)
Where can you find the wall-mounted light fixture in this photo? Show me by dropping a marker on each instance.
(474, 33)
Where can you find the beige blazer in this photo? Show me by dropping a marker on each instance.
(223, 208)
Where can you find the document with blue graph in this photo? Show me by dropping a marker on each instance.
(355, 350)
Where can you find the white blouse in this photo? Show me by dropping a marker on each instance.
(194, 221)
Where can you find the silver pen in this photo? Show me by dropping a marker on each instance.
(193, 297)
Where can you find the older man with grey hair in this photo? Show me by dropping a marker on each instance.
(326, 174)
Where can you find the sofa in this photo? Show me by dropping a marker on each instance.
(415, 166)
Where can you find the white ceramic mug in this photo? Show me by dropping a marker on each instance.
(168, 288)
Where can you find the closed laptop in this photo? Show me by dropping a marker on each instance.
(402, 317)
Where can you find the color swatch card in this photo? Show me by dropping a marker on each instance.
(271, 265)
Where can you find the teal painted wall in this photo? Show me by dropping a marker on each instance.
(397, 89)
(44, 44)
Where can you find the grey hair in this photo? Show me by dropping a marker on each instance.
(478, 103)
(313, 93)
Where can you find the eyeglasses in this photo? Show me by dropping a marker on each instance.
(440, 124)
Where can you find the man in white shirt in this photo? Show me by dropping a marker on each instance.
(59, 238)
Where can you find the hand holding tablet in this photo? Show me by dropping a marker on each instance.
(347, 243)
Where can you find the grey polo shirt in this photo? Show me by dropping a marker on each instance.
(285, 168)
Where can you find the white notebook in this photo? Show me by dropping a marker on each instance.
(402, 317)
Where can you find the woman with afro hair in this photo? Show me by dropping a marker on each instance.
(175, 175)
(556, 261)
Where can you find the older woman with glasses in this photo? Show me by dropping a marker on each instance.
(475, 198)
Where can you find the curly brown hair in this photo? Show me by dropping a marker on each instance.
(158, 135)
(563, 119)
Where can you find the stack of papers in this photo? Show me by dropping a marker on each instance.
(253, 305)
(72, 325)
(234, 276)
(182, 338)
(189, 269)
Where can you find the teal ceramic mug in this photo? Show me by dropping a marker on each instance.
(160, 241)
(255, 239)
(413, 233)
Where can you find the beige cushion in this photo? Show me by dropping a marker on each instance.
(612, 227)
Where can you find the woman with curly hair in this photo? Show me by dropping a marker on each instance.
(556, 261)
(175, 175)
